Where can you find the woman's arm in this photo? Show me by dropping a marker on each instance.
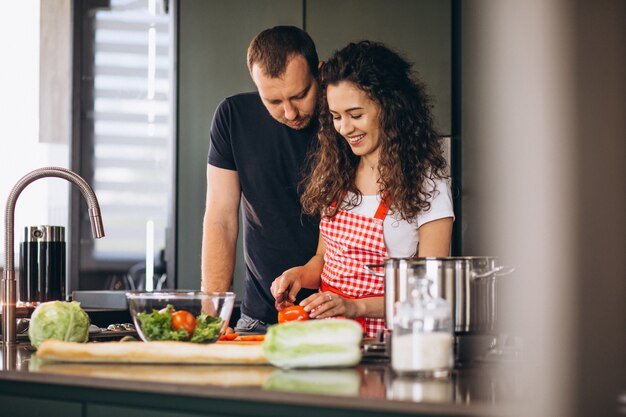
(435, 238)
(327, 304)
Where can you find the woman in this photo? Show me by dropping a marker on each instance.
(378, 180)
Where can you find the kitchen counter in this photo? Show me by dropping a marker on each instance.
(371, 389)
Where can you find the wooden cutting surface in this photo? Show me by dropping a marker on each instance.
(235, 352)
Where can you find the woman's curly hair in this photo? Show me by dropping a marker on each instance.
(410, 149)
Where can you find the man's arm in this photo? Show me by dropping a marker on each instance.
(220, 229)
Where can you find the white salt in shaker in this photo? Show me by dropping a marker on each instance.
(422, 337)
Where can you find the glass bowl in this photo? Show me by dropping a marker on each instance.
(190, 316)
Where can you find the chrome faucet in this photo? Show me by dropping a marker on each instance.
(9, 285)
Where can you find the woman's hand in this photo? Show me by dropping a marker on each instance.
(286, 287)
(327, 304)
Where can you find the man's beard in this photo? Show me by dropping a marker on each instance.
(297, 124)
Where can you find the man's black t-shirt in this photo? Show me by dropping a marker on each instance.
(269, 159)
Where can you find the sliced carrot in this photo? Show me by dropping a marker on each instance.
(229, 336)
(252, 338)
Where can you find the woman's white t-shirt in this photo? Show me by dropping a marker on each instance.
(400, 236)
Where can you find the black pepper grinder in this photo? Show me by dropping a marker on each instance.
(42, 265)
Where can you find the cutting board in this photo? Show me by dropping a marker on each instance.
(169, 352)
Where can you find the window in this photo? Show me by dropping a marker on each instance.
(27, 140)
(126, 147)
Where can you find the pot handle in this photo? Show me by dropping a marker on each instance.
(369, 269)
(498, 271)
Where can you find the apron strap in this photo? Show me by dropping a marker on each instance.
(381, 211)
(383, 208)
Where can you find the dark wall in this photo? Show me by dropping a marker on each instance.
(419, 29)
(213, 38)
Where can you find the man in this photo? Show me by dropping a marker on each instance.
(259, 143)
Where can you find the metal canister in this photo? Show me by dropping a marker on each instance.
(42, 265)
(468, 283)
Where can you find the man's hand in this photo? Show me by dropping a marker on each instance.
(286, 287)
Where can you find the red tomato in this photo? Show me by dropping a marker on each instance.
(292, 313)
(183, 320)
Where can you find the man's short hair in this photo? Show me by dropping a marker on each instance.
(272, 48)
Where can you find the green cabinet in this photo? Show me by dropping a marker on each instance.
(99, 410)
(15, 406)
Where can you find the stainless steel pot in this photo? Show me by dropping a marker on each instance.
(468, 283)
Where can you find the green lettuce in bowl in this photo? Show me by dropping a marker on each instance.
(60, 320)
(178, 315)
(157, 325)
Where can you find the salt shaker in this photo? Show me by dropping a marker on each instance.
(422, 338)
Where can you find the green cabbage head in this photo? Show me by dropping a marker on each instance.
(61, 320)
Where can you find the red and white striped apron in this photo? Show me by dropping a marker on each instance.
(352, 241)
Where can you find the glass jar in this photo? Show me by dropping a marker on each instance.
(422, 337)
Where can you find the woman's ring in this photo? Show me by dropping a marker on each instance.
(330, 297)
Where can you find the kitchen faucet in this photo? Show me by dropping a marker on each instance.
(9, 285)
